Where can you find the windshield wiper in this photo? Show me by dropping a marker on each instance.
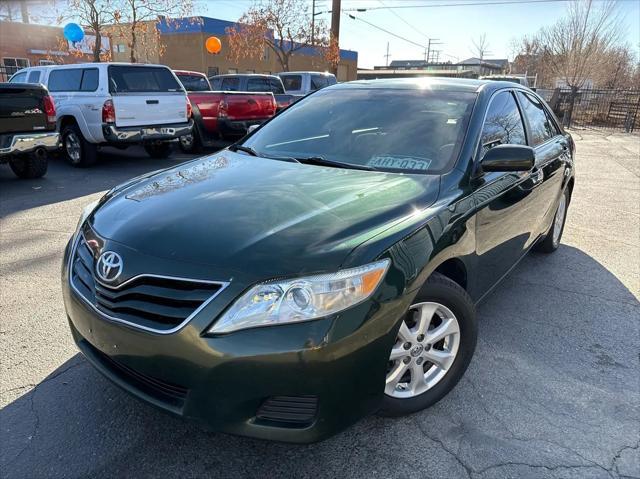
(245, 149)
(320, 161)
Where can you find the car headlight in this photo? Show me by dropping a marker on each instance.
(301, 299)
(86, 211)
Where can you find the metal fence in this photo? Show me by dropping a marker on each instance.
(607, 109)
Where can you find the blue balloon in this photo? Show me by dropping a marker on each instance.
(73, 32)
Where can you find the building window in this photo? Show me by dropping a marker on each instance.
(120, 48)
(43, 63)
(250, 71)
(12, 65)
(212, 71)
(233, 71)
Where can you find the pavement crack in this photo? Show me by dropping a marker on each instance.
(469, 470)
(618, 455)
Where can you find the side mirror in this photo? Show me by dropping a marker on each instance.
(252, 128)
(509, 158)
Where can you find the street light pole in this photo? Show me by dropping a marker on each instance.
(335, 28)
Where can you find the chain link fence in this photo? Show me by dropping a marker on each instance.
(606, 109)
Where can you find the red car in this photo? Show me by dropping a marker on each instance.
(221, 115)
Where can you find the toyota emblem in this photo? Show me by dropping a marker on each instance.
(109, 266)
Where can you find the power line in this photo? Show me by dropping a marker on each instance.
(435, 5)
(403, 20)
(384, 30)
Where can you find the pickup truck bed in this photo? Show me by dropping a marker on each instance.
(222, 114)
(27, 128)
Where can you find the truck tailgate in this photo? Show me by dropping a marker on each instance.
(249, 106)
(146, 95)
(22, 109)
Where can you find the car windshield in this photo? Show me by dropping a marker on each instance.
(405, 130)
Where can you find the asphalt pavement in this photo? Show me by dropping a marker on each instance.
(552, 392)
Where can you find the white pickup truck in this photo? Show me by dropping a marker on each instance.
(116, 104)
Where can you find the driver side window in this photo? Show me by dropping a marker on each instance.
(503, 124)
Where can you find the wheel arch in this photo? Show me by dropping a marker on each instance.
(454, 269)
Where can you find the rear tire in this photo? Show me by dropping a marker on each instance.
(76, 149)
(454, 312)
(31, 166)
(191, 143)
(551, 242)
(158, 150)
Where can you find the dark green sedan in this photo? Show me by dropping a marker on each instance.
(328, 265)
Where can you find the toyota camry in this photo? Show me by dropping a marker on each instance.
(325, 267)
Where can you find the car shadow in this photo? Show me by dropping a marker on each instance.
(64, 182)
(545, 387)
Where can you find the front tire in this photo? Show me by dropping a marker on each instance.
(551, 241)
(31, 166)
(76, 149)
(435, 342)
(158, 150)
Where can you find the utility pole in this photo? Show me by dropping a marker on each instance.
(431, 41)
(387, 55)
(313, 22)
(335, 27)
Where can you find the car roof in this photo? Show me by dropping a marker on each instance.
(309, 72)
(244, 75)
(439, 83)
(90, 64)
(188, 72)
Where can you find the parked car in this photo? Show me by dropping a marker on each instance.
(27, 128)
(221, 115)
(326, 266)
(254, 83)
(303, 83)
(118, 104)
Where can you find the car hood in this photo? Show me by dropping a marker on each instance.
(266, 217)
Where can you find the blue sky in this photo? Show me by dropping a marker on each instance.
(455, 26)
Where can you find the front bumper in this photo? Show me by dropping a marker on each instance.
(144, 134)
(336, 364)
(23, 143)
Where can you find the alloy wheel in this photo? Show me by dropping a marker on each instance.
(559, 220)
(72, 146)
(424, 351)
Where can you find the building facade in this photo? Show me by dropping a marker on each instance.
(180, 44)
(27, 44)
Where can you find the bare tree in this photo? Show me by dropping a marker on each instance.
(283, 26)
(95, 14)
(481, 47)
(136, 21)
(574, 44)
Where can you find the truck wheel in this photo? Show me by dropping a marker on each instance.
(78, 151)
(434, 345)
(551, 241)
(33, 165)
(190, 143)
(158, 150)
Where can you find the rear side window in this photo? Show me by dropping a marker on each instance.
(230, 84)
(89, 80)
(276, 86)
(34, 76)
(292, 82)
(258, 84)
(194, 82)
(318, 82)
(74, 79)
(541, 126)
(134, 79)
(19, 78)
(67, 79)
(503, 124)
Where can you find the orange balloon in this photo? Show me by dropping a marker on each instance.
(213, 45)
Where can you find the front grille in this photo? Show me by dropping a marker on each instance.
(173, 395)
(293, 411)
(157, 303)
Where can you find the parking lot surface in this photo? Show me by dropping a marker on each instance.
(552, 392)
